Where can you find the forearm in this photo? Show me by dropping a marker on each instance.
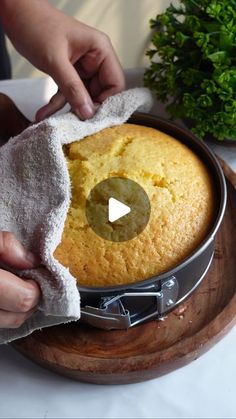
(12, 8)
(16, 13)
(25, 22)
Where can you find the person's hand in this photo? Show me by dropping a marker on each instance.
(80, 59)
(18, 297)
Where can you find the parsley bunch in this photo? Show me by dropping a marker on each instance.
(196, 69)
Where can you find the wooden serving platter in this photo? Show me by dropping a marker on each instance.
(157, 347)
(152, 349)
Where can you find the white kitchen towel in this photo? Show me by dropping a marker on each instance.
(35, 197)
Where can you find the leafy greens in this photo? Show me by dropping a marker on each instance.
(196, 69)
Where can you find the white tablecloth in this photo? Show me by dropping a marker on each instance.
(206, 388)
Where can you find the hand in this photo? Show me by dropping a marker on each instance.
(18, 297)
(80, 59)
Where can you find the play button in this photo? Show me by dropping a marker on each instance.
(118, 209)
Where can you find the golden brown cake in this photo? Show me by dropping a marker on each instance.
(180, 191)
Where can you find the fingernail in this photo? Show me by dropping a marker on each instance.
(86, 111)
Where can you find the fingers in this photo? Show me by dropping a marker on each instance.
(90, 74)
(18, 299)
(14, 254)
(104, 77)
(9, 320)
(78, 92)
(73, 89)
(56, 103)
(106, 93)
(17, 295)
(111, 78)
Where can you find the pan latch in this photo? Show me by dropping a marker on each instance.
(125, 310)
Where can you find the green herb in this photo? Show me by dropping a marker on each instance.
(196, 69)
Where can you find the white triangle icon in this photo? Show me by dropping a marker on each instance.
(116, 210)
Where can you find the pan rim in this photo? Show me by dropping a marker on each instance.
(140, 118)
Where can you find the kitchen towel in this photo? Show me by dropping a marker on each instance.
(35, 197)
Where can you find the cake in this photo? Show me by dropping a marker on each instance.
(180, 190)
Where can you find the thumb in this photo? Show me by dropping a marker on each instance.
(73, 89)
(14, 254)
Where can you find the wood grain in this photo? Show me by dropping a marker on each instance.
(228, 171)
(152, 349)
(155, 348)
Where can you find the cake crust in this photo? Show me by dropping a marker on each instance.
(180, 190)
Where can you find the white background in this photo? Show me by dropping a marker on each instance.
(203, 389)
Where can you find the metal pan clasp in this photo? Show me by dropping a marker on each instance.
(115, 312)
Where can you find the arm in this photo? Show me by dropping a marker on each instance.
(79, 58)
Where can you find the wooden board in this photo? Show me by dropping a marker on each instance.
(155, 348)
(152, 349)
